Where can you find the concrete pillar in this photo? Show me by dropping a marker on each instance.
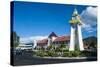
(48, 42)
(35, 44)
(80, 38)
(72, 39)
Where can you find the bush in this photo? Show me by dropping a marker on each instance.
(62, 46)
(65, 50)
(58, 50)
(75, 53)
(88, 53)
(71, 54)
(51, 47)
(46, 53)
(65, 54)
(52, 53)
(40, 53)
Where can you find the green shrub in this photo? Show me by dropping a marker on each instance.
(40, 53)
(65, 54)
(65, 50)
(71, 54)
(52, 53)
(88, 53)
(58, 50)
(51, 47)
(62, 45)
(75, 53)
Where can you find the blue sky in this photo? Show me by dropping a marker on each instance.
(40, 19)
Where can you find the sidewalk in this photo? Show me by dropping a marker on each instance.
(67, 57)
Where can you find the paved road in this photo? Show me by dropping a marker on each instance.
(28, 59)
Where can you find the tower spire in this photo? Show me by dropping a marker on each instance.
(75, 17)
(75, 13)
(76, 35)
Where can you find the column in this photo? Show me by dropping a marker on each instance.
(72, 39)
(35, 44)
(80, 38)
(48, 42)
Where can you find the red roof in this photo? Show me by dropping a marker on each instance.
(62, 38)
(45, 41)
(42, 42)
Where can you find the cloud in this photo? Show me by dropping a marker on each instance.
(89, 18)
(31, 38)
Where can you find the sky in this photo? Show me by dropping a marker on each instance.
(33, 20)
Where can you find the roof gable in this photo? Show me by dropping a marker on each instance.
(52, 35)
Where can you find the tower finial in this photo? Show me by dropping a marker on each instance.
(75, 13)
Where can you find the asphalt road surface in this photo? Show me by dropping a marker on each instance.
(28, 59)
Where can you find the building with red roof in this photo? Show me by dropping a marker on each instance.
(53, 39)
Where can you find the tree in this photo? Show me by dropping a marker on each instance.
(62, 45)
(51, 47)
(15, 39)
(90, 42)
